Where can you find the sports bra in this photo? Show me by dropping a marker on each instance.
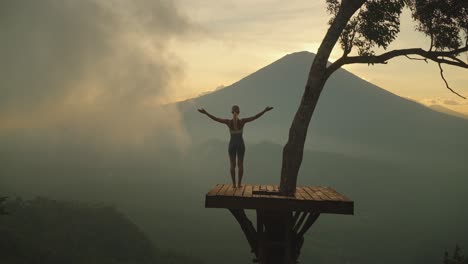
(240, 127)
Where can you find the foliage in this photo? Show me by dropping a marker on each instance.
(377, 23)
(444, 21)
(48, 231)
(456, 258)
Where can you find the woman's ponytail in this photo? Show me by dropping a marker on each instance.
(235, 120)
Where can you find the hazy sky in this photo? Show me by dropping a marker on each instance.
(239, 37)
(99, 65)
(89, 69)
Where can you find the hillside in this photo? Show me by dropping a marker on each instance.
(47, 231)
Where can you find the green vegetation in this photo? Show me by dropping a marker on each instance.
(48, 231)
(456, 258)
(2, 205)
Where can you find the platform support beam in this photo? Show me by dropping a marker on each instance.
(247, 228)
(279, 236)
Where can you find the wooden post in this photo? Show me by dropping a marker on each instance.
(276, 244)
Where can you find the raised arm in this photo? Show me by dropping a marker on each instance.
(217, 119)
(252, 118)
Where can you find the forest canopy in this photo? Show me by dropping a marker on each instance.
(48, 231)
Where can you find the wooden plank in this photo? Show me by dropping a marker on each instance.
(299, 222)
(243, 198)
(263, 188)
(248, 191)
(243, 191)
(239, 191)
(215, 190)
(285, 204)
(334, 196)
(312, 194)
(299, 194)
(270, 188)
(317, 191)
(309, 222)
(230, 191)
(280, 197)
(223, 189)
(295, 216)
(303, 194)
(256, 187)
(341, 196)
(323, 191)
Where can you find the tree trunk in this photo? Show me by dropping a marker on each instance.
(274, 245)
(294, 148)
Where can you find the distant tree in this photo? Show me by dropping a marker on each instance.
(2, 205)
(360, 26)
(456, 258)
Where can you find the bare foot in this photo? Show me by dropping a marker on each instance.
(239, 186)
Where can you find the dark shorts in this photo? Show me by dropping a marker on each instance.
(236, 148)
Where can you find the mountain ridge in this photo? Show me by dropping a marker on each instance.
(311, 55)
(352, 115)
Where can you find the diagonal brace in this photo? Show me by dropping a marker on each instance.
(247, 228)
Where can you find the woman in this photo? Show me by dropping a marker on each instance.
(236, 144)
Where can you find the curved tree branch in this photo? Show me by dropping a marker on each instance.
(437, 56)
(420, 59)
(456, 59)
(446, 83)
(440, 57)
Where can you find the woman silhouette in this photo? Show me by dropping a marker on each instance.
(236, 144)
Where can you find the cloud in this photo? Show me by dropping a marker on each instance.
(451, 102)
(456, 106)
(95, 67)
(442, 101)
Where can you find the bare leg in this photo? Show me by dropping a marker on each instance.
(240, 164)
(233, 170)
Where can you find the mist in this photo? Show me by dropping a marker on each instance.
(92, 71)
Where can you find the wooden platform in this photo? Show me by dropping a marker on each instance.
(307, 199)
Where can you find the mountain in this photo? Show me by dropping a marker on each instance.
(353, 116)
